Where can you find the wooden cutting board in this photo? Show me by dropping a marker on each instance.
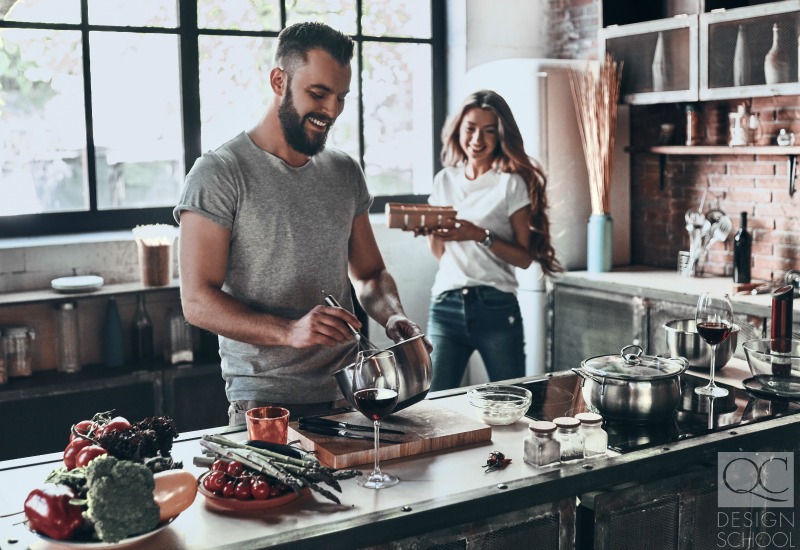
(428, 426)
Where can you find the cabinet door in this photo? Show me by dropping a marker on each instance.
(587, 323)
(194, 396)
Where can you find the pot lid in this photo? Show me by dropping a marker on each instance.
(633, 366)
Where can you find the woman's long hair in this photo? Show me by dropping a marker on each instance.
(509, 156)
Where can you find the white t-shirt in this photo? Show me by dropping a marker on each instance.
(488, 201)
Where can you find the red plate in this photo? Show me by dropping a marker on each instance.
(235, 505)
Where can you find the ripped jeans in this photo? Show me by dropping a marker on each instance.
(478, 318)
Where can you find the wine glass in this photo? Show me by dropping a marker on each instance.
(375, 391)
(714, 321)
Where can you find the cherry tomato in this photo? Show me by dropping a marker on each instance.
(235, 468)
(243, 490)
(119, 423)
(87, 454)
(214, 481)
(219, 465)
(274, 491)
(229, 489)
(71, 452)
(260, 490)
(82, 428)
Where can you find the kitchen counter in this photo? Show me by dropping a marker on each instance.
(438, 489)
(659, 284)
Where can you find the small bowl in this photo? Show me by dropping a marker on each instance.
(499, 405)
(684, 341)
(775, 363)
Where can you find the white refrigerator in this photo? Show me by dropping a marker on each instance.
(538, 92)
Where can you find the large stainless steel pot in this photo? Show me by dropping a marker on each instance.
(683, 340)
(414, 364)
(631, 386)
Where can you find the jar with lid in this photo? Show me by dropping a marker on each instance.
(570, 441)
(17, 341)
(69, 349)
(694, 126)
(540, 448)
(595, 438)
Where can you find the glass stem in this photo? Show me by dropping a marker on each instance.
(713, 361)
(377, 469)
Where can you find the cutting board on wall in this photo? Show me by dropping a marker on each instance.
(428, 426)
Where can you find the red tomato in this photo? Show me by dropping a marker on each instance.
(235, 469)
(118, 423)
(71, 452)
(260, 490)
(219, 465)
(82, 428)
(87, 454)
(242, 491)
(214, 481)
(229, 489)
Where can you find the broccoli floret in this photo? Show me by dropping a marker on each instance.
(119, 498)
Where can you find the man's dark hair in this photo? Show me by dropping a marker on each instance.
(295, 41)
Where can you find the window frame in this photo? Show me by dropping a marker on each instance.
(94, 220)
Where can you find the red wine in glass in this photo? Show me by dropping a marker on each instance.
(714, 333)
(376, 403)
(714, 322)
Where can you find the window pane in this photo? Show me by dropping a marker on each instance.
(398, 154)
(142, 13)
(41, 11)
(246, 15)
(344, 132)
(339, 14)
(42, 127)
(410, 18)
(234, 85)
(137, 119)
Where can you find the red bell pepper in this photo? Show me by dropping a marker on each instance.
(50, 513)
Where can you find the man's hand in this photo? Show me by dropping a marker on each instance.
(322, 326)
(401, 328)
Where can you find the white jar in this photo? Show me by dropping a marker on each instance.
(595, 438)
(568, 437)
(540, 447)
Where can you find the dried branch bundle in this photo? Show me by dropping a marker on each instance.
(596, 93)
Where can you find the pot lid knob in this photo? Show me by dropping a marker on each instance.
(632, 358)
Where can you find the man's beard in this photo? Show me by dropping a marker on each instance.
(294, 130)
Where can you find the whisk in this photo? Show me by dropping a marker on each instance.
(363, 341)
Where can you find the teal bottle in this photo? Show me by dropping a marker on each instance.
(113, 339)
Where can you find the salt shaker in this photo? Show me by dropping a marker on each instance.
(595, 438)
(540, 448)
(570, 440)
(69, 349)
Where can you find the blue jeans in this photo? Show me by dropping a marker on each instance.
(475, 318)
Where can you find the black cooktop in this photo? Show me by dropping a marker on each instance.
(561, 396)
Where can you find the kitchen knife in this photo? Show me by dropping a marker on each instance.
(343, 433)
(328, 423)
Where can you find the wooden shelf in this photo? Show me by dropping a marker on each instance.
(698, 150)
(50, 295)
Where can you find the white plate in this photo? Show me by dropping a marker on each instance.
(98, 545)
(79, 283)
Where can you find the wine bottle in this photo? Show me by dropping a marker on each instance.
(142, 333)
(113, 349)
(741, 253)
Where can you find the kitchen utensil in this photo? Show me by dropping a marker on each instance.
(414, 366)
(363, 341)
(339, 432)
(684, 341)
(78, 283)
(498, 404)
(327, 423)
(775, 363)
(719, 232)
(425, 217)
(754, 386)
(268, 424)
(632, 387)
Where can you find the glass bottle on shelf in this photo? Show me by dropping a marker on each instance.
(540, 447)
(694, 126)
(113, 346)
(595, 438)
(741, 60)
(570, 441)
(69, 349)
(741, 252)
(776, 64)
(659, 66)
(142, 334)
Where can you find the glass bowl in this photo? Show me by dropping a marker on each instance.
(499, 405)
(775, 364)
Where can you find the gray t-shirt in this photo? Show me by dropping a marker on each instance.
(290, 229)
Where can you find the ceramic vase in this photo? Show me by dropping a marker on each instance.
(659, 66)
(600, 243)
(776, 65)
(741, 60)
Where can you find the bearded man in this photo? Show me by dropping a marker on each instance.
(271, 220)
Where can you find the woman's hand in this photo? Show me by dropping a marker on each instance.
(463, 230)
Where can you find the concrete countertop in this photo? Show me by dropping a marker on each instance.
(659, 284)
